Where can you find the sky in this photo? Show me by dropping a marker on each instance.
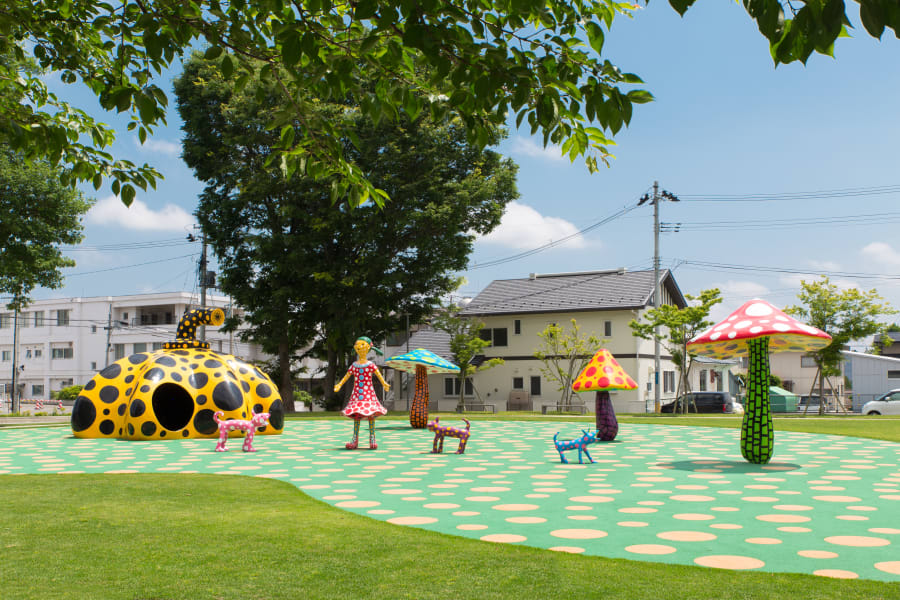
(783, 174)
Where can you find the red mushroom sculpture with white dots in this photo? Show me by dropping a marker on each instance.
(603, 374)
(756, 329)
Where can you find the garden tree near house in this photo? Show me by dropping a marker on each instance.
(676, 327)
(465, 345)
(307, 271)
(845, 315)
(565, 353)
(540, 60)
(38, 214)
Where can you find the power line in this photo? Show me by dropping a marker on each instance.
(759, 268)
(788, 196)
(835, 221)
(526, 253)
(149, 262)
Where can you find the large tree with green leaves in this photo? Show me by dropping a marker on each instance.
(674, 327)
(846, 315)
(38, 215)
(541, 60)
(307, 270)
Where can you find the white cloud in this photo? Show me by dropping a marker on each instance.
(528, 147)
(882, 254)
(524, 228)
(824, 265)
(159, 147)
(138, 216)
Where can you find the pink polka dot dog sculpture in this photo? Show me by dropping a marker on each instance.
(248, 427)
(363, 401)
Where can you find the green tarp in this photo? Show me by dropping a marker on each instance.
(782, 400)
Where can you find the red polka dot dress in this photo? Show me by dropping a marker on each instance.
(363, 401)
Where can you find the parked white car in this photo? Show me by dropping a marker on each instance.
(888, 404)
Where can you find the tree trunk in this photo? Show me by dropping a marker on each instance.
(286, 388)
(812, 388)
(821, 392)
(330, 375)
(757, 432)
(607, 424)
(418, 412)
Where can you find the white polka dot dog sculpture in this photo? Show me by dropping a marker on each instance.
(756, 329)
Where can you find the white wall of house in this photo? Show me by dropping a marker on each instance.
(798, 371)
(870, 375)
(63, 342)
(520, 368)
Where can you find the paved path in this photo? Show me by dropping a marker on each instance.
(825, 505)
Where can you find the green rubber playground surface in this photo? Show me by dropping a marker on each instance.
(825, 505)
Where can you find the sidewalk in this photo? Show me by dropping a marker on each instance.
(45, 420)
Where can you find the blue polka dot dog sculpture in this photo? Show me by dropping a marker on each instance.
(175, 392)
(579, 444)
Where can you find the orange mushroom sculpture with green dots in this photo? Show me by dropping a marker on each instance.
(601, 375)
(423, 363)
(757, 329)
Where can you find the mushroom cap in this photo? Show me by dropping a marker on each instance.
(757, 318)
(603, 373)
(431, 361)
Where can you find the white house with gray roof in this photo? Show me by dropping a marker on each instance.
(516, 310)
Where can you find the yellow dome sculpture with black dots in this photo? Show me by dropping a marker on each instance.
(173, 393)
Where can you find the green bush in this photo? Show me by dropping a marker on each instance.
(303, 398)
(69, 393)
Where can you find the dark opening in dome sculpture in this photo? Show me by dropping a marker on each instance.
(176, 391)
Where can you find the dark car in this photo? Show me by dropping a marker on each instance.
(705, 402)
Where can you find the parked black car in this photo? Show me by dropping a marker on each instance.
(705, 402)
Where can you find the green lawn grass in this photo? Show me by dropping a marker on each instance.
(206, 536)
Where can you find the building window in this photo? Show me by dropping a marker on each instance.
(62, 317)
(703, 380)
(24, 320)
(38, 352)
(140, 347)
(496, 336)
(56, 353)
(5, 320)
(119, 351)
(93, 329)
(66, 383)
(518, 383)
(668, 381)
(535, 385)
(39, 318)
(451, 387)
(807, 362)
(893, 374)
(607, 328)
(27, 352)
(157, 346)
(517, 326)
(37, 390)
(93, 365)
(7, 355)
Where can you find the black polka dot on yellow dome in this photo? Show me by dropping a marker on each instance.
(172, 400)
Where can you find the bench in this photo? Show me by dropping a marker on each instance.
(478, 408)
(579, 408)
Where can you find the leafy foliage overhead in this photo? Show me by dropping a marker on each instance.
(540, 60)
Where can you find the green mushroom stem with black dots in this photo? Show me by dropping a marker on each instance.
(757, 431)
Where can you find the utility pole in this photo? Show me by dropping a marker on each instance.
(657, 196)
(15, 366)
(203, 277)
(108, 331)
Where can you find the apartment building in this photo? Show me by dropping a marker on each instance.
(65, 341)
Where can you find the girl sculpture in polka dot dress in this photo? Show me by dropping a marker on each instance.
(363, 401)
